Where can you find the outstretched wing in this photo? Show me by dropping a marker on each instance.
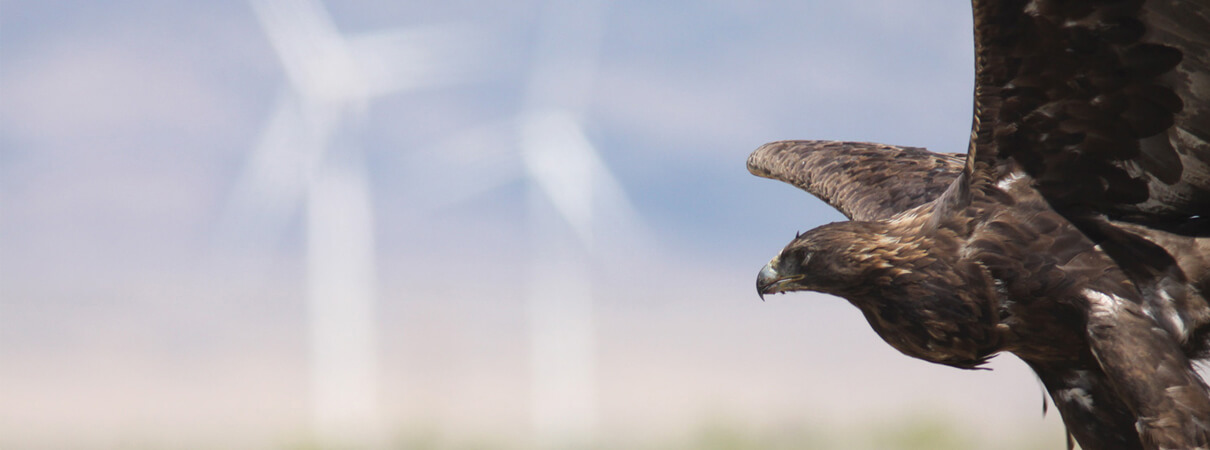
(865, 181)
(1106, 105)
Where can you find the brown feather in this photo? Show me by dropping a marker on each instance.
(864, 181)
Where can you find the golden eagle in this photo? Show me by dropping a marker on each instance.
(1075, 232)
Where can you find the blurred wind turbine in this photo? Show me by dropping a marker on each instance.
(571, 191)
(576, 206)
(331, 79)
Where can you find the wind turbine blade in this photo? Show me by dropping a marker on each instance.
(269, 191)
(616, 220)
(428, 56)
(561, 161)
(569, 171)
(464, 166)
(314, 55)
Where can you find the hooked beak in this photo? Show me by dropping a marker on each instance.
(770, 282)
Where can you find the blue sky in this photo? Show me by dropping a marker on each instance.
(125, 125)
(174, 94)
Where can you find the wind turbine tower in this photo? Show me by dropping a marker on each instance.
(308, 158)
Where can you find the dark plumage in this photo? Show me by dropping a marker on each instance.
(1075, 233)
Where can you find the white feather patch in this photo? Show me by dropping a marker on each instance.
(1078, 394)
(1005, 183)
(1174, 317)
(1166, 314)
(1102, 304)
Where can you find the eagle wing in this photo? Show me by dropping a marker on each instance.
(1076, 390)
(1105, 106)
(865, 181)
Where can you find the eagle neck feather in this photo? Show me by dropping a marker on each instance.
(915, 292)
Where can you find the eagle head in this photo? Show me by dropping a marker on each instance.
(818, 260)
(772, 280)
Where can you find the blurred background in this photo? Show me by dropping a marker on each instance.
(458, 224)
